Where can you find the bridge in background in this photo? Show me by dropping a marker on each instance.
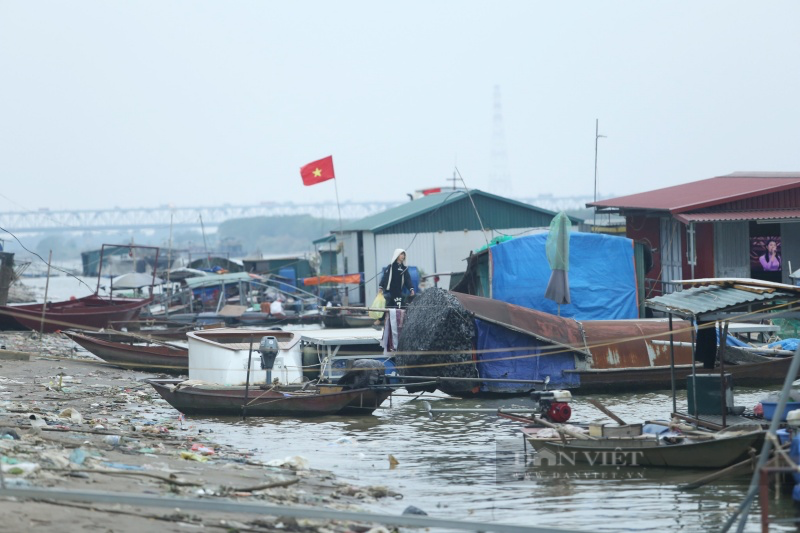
(149, 218)
(49, 221)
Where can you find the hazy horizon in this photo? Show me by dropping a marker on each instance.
(191, 103)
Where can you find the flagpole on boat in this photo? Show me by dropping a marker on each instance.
(46, 289)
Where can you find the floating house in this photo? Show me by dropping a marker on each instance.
(719, 227)
(437, 230)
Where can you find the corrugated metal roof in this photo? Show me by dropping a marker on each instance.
(215, 280)
(430, 203)
(323, 240)
(700, 300)
(706, 193)
(732, 216)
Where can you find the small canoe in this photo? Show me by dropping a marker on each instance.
(199, 398)
(717, 451)
(135, 354)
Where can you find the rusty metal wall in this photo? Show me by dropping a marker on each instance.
(627, 343)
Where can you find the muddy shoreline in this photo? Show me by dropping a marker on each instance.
(69, 423)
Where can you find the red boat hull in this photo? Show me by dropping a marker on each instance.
(89, 312)
(141, 356)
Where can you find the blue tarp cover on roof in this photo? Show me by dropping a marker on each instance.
(602, 276)
(507, 354)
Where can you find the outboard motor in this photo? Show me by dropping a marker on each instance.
(553, 404)
(363, 373)
(268, 348)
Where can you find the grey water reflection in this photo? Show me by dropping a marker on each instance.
(447, 466)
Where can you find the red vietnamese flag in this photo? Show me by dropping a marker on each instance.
(317, 171)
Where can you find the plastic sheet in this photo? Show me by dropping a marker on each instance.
(602, 276)
(507, 354)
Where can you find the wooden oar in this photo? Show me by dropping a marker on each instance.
(730, 470)
(608, 413)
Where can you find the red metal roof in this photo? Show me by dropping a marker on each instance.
(730, 216)
(706, 193)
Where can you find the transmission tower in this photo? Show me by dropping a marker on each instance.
(499, 177)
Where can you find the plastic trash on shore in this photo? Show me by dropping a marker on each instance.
(36, 420)
(77, 456)
(73, 415)
(20, 469)
(191, 456)
(203, 450)
(296, 462)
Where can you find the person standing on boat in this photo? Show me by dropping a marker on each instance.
(396, 278)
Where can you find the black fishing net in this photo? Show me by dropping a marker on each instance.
(437, 341)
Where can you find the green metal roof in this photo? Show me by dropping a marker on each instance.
(455, 212)
(325, 239)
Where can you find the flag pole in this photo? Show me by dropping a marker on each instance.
(345, 299)
(338, 207)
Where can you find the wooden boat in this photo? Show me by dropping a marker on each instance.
(135, 354)
(509, 341)
(714, 452)
(137, 331)
(253, 318)
(358, 321)
(198, 398)
(769, 371)
(89, 312)
(336, 318)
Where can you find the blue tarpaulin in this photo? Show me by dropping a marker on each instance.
(503, 353)
(602, 276)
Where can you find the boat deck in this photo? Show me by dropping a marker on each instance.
(715, 421)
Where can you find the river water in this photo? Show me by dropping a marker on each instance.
(447, 466)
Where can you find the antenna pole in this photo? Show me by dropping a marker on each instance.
(596, 138)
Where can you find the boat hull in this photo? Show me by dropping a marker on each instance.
(146, 357)
(758, 374)
(90, 312)
(712, 453)
(212, 399)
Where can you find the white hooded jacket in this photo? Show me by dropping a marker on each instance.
(395, 255)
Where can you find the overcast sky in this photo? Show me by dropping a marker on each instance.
(197, 103)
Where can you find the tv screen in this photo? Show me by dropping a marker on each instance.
(765, 254)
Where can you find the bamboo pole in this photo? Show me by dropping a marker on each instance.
(46, 289)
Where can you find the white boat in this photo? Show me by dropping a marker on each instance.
(221, 355)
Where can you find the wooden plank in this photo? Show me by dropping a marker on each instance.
(14, 355)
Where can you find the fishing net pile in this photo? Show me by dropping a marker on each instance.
(437, 331)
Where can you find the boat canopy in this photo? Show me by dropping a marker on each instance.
(214, 280)
(353, 279)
